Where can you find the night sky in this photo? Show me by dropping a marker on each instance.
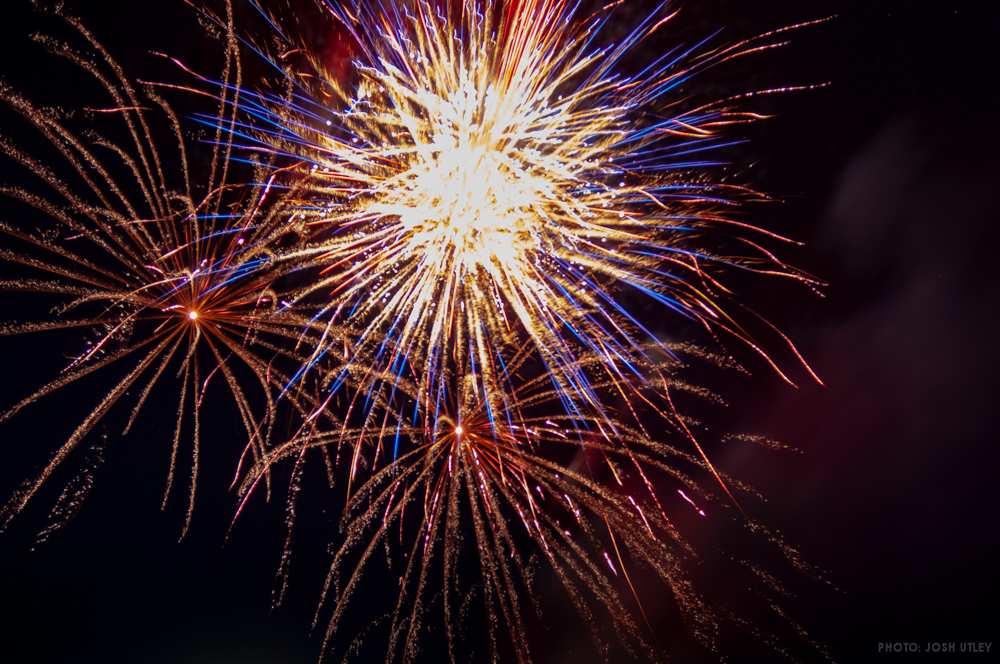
(890, 176)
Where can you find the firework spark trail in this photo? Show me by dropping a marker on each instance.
(488, 178)
(154, 271)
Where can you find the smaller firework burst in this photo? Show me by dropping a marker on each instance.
(167, 283)
(526, 494)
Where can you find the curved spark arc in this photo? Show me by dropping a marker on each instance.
(163, 273)
(489, 180)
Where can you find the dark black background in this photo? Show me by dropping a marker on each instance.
(890, 176)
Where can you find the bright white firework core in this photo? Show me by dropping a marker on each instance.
(468, 199)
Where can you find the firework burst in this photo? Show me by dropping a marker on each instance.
(486, 179)
(467, 483)
(159, 275)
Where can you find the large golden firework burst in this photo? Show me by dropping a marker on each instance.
(486, 178)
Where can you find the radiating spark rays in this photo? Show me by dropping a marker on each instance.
(512, 470)
(465, 465)
(486, 179)
(156, 276)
